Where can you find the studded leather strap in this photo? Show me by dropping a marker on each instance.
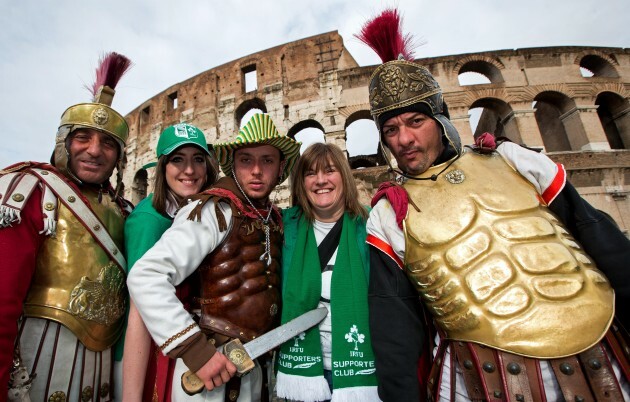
(515, 375)
(600, 374)
(490, 371)
(470, 369)
(571, 379)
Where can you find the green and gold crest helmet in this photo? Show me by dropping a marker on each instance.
(98, 114)
(400, 85)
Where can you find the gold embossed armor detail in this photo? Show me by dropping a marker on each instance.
(75, 283)
(496, 267)
(240, 293)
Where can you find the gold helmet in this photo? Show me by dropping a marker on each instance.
(97, 115)
(400, 85)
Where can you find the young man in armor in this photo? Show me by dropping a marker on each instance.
(231, 237)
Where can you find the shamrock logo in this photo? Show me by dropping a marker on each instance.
(298, 338)
(355, 336)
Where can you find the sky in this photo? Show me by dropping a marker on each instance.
(50, 48)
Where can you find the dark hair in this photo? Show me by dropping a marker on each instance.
(319, 156)
(160, 189)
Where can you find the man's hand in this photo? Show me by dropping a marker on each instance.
(217, 371)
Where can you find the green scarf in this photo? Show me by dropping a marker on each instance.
(300, 375)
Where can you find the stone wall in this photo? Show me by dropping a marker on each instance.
(571, 102)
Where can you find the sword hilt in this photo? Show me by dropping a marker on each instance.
(235, 352)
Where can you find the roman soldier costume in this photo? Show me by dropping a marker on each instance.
(60, 246)
(492, 240)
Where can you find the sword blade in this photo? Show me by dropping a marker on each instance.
(283, 333)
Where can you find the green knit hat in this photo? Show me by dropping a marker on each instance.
(259, 130)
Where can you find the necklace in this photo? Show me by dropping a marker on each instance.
(266, 256)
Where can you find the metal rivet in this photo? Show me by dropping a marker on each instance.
(18, 197)
(49, 206)
(595, 364)
(44, 173)
(211, 321)
(270, 286)
(520, 398)
(212, 341)
(468, 364)
(233, 395)
(497, 394)
(513, 368)
(488, 367)
(579, 398)
(566, 369)
(227, 328)
(114, 251)
(97, 227)
(241, 333)
(72, 198)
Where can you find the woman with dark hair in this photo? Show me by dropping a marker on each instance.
(184, 167)
(325, 263)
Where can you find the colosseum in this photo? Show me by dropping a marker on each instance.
(570, 102)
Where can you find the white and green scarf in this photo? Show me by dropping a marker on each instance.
(300, 364)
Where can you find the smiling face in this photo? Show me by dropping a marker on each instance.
(257, 169)
(415, 139)
(324, 191)
(92, 155)
(186, 170)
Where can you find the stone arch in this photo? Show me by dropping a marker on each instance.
(598, 63)
(361, 134)
(486, 66)
(614, 114)
(310, 131)
(246, 106)
(360, 162)
(497, 117)
(557, 116)
(139, 186)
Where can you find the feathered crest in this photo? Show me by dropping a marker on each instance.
(383, 34)
(112, 66)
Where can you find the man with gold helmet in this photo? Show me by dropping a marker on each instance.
(512, 266)
(62, 293)
(230, 236)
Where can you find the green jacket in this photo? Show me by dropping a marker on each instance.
(290, 219)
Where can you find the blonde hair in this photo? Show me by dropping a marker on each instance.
(318, 156)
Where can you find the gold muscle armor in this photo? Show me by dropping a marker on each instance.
(75, 282)
(496, 267)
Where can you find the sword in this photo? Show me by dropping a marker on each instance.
(243, 355)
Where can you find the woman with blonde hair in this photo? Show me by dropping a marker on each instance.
(325, 263)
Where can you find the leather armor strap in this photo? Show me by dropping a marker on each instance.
(435, 375)
(469, 364)
(600, 374)
(617, 340)
(84, 214)
(515, 376)
(571, 379)
(490, 371)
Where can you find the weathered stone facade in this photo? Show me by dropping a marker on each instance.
(571, 102)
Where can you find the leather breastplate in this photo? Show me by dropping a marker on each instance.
(75, 283)
(496, 267)
(240, 293)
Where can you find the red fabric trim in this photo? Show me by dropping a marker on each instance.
(385, 248)
(556, 185)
